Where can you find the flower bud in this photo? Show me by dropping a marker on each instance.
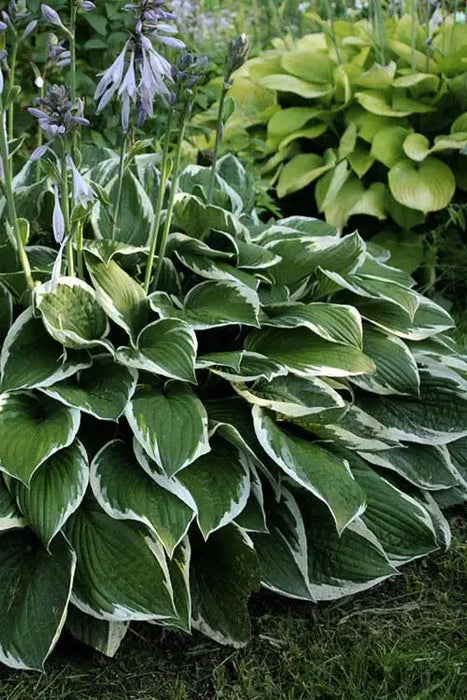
(51, 15)
(237, 53)
(86, 5)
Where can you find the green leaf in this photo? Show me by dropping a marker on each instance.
(211, 304)
(6, 311)
(113, 468)
(54, 492)
(406, 248)
(224, 572)
(296, 396)
(31, 358)
(135, 214)
(357, 430)
(121, 573)
(103, 390)
(313, 66)
(195, 217)
(403, 527)
(340, 564)
(301, 171)
(361, 159)
(289, 83)
(282, 553)
(387, 146)
(416, 147)
(425, 466)
(287, 121)
(429, 319)
(310, 465)
(71, 313)
(32, 429)
(377, 77)
(101, 635)
(396, 368)
(167, 347)
(305, 354)
(333, 322)
(312, 132)
(35, 588)
(428, 186)
(123, 299)
(10, 516)
(159, 418)
(219, 484)
(376, 102)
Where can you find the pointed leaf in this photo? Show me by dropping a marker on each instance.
(101, 635)
(6, 311)
(10, 515)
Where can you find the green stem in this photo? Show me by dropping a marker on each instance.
(121, 172)
(64, 200)
(10, 199)
(219, 134)
(79, 249)
(11, 108)
(173, 192)
(160, 200)
(72, 40)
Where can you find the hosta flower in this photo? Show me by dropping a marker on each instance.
(51, 15)
(140, 73)
(59, 54)
(57, 114)
(58, 220)
(82, 191)
(16, 14)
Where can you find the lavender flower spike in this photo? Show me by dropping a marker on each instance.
(3, 27)
(58, 220)
(82, 191)
(51, 15)
(111, 80)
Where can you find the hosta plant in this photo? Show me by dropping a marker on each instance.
(283, 410)
(364, 120)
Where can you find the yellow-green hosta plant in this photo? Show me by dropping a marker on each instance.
(366, 120)
(283, 410)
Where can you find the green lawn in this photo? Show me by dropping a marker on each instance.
(406, 639)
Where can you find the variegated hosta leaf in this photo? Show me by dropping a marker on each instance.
(6, 311)
(340, 565)
(458, 454)
(211, 304)
(334, 322)
(33, 428)
(35, 589)
(282, 553)
(166, 347)
(10, 516)
(295, 396)
(195, 217)
(32, 358)
(429, 319)
(121, 572)
(224, 572)
(250, 367)
(439, 416)
(425, 466)
(179, 569)
(305, 354)
(316, 469)
(71, 313)
(403, 527)
(356, 430)
(396, 369)
(112, 470)
(122, 298)
(101, 635)
(103, 390)
(55, 491)
(219, 484)
(253, 516)
(171, 424)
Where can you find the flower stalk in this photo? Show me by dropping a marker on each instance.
(121, 173)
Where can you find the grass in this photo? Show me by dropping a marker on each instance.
(405, 639)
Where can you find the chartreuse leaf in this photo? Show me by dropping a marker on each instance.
(223, 574)
(426, 186)
(439, 417)
(122, 298)
(166, 347)
(103, 390)
(10, 516)
(32, 429)
(294, 396)
(54, 492)
(387, 146)
(403, 527)
(289, 83)
(171, 424)
(211, 304)
(313, 467)
(333, 322)
(6, 311)
(425, 466)
(113, 468)
(305, 354)
(282, 553)
(71, 313)
(286, 121)
(101, 635)
(340, 564)
(416, 147)
(219, 484)
(396, 368)
(32, 358)
(121, 572)
(301, 170)
(35, 588)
